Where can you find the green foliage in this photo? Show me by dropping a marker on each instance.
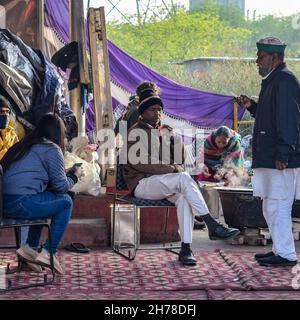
(215, 30)
(280, 27)
(177, 37)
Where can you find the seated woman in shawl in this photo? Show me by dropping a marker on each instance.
(222, 155)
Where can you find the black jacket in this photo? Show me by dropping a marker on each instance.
(277, 120)
(131, 116)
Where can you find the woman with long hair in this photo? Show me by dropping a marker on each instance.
(35, 186)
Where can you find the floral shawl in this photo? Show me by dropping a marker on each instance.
(232, 154)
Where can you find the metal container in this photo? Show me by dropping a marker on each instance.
(125, 229)
(241, 209)
(211, 197)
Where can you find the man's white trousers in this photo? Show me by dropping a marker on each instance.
(278, 189)
(180, 189)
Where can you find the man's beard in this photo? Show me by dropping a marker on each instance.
(264, 71)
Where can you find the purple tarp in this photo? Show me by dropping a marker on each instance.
(201, 108)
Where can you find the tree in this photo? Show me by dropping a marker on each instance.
(163, 38)
(280, 27)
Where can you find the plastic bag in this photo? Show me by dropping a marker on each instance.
(90, 182)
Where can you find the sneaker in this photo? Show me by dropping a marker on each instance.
(223, 233)
(276, 261)
(27, 253)
(186, 255)
(43, 258)
(264, 255)
(34, 267)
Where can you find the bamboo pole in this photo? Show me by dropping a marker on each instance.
(235, 116)
(246, 122)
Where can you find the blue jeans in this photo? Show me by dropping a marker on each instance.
(24, 235)
(41, 206)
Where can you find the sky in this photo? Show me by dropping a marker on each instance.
(262, 7)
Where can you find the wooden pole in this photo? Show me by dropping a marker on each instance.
(101, 82)
(41, 23)
(77, 33)
(246, 122)
(235, 116)
(100, 69)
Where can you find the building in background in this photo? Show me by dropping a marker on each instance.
(197, 4)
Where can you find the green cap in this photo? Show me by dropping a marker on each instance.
(271, 44)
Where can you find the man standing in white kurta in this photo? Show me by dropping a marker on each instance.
(276, 149)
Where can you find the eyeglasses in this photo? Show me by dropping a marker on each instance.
(4, 111)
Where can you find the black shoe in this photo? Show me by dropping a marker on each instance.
(199, 219)
(199, 225)
(186, 255)
(276, 261)
(223, 233)
(264, 255)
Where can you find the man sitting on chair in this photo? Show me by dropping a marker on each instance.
(149, 175)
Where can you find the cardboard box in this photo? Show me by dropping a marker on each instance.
(110, 177)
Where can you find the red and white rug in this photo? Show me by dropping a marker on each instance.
(158, 275)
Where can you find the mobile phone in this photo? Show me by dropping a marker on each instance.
(77, 165)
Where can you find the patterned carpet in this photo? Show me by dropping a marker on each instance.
(157, 275)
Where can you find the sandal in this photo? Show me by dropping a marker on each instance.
(77, 247)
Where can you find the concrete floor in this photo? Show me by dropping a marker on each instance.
(201, 242)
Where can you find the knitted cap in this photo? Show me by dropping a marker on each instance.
(148, 98)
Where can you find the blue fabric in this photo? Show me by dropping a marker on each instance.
(45, 100)
(43, 205)
(120, 181)
(37, 70)
(146, 202)
(24, 234)
(42, 168)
